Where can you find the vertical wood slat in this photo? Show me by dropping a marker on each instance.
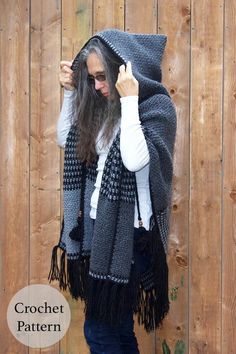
(148, 24)
(44, 155)
(14, 166)
(205, 167)
(229, 185)
(76, 26)
(176, 65)
(108, 14)
(76, 30)
(140, 16)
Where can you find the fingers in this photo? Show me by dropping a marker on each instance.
(122, 69)
(129, 68)
(126, 83)
(65, 66)
(66, 62)
(66, 74)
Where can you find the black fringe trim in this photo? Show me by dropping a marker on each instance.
(54, 269)
(56, 272)
(62, 273)
(151, 313)
(77, 271)
(154, 301)
(110, 302)
(71, 274)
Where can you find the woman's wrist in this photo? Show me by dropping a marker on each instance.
(69, 93)
(129, 111)
(133, 98)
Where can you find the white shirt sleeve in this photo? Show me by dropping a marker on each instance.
(66, 117)
(133, 146)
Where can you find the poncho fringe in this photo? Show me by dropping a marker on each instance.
(150, 305)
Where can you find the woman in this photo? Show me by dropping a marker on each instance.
(117, 125)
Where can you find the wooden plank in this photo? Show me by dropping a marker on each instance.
(205, 174)
(229, 185)
(148, 24)
(176, 66)
(76, 26)
(76, 30)
(108, 14)
(14, 160)
(45, 45)
(141, 17)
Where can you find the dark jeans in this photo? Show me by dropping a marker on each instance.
(120, 339)
(105, 339)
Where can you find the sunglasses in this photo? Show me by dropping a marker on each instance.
(99, 77)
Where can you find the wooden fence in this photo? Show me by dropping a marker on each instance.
(200, 73)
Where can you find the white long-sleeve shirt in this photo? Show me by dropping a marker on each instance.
(133, 147)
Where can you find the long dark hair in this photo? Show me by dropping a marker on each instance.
(93, 110)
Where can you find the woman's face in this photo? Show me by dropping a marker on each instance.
(97, 74)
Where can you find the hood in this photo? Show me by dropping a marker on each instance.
(144, 51)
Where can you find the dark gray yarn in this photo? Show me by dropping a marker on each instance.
(109, 242)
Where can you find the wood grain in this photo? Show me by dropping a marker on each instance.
(76, 26)
(176, 77)
(76, 30)
(108, 14)
(44, 154)
(14, 157)
(205, 174)
(141, 17)
(229, 185)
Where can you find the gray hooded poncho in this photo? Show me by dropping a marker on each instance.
(100, 268)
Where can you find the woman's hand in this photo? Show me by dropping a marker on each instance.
(126, 83)
(65, 75)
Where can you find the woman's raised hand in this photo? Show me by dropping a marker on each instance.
(126, 83)
(66, 75)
